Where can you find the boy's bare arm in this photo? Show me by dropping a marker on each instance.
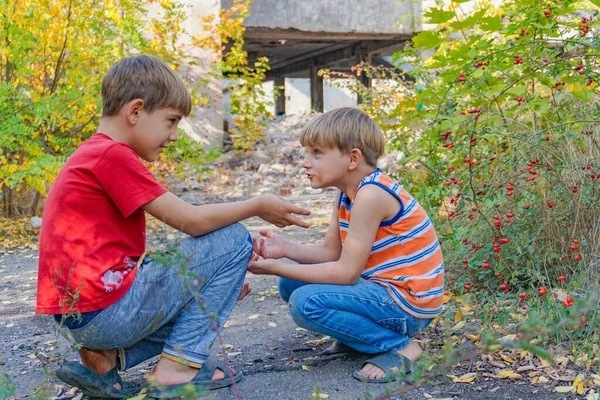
(200, 220)
(371, 206)
(276, 246)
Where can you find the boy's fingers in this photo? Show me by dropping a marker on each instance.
(298, 222)
(299, 211)
(266, 234)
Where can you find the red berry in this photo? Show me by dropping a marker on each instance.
(561, 278)
(583, 320)
(527, 206)
(504, 240)
(543, 291)
(468, 286)
(577, 257)
(523, 295)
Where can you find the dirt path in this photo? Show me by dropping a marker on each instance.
(279, 361)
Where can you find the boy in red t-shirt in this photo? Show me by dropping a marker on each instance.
(120, 303)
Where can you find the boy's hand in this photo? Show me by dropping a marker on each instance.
(274, 247)
(279, 212)
(263, 267)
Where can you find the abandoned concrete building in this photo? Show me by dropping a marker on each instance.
(302, 37)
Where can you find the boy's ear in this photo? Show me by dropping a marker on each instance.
(133, 110)
(355, 158)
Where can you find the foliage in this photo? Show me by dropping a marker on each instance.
(246, 94)
(52, 59)
(499, 135)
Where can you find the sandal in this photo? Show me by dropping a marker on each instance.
(338, 348)
(386, 361)
(92, 385)
(202, 381)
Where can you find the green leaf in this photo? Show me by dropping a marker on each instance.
(469, 22)
(438, 16)
(426, 40)
(490, 24)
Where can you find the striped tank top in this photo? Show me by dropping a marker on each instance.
(406, 257)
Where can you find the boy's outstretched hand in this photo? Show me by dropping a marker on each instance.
(274, 247)
(279, 212)
(263, 267)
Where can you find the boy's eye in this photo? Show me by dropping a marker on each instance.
(316, 152)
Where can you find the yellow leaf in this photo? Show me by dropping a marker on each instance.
(305, 367)
(508, 359)
(458, 316)
(543, 379)
(473, 337)
(272, 324)
(447, 297)
(466, 378)
(458, 326)
(578, 384)
(321, 395)
(564, 389)
(32, 356)
(254, 316)
(505, 373)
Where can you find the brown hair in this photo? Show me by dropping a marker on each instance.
(147, 78)
(346, 128)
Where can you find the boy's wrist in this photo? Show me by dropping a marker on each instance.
(256, 205)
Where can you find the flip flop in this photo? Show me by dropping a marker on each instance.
(92, 385)
(338, 348)
(202, 381)
(386, 361)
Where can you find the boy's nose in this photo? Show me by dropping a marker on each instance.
(305, 164)
(173, 136)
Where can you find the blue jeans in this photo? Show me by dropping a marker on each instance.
(177, 303)
(363, 316)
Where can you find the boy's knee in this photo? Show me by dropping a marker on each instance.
(285, 288)
(304, 305)
(237, 233)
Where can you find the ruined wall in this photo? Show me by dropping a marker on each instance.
(360, 16)
(206, 123)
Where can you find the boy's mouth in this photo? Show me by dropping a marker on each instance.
(310, 176)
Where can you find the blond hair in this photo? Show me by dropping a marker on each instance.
(346, 128)
(147, 78)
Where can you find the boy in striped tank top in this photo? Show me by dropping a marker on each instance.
(378, 278)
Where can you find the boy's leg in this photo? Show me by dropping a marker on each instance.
(363, 315)
(160, 313)
(287, 286)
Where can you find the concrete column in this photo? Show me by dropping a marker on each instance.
(279, 83)
(316, 90)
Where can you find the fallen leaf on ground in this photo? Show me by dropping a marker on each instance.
(458, 326)
(578, 384)
(321, 395)
(564, 389)
(466, 378)
(254, 316)
(272, 324)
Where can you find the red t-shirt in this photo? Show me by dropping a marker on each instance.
(93, 230)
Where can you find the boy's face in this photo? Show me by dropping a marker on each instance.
(154, 132)
(325, 167)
